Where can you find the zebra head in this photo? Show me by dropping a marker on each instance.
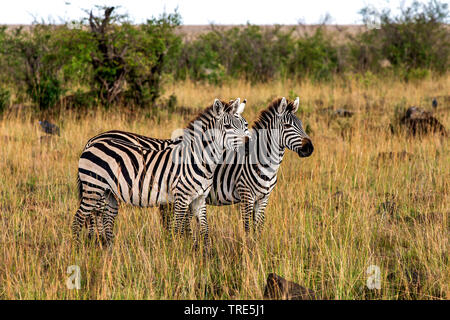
(232, 127)
(292, 135)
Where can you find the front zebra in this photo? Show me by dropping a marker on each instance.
(249, 178)
(180, 174)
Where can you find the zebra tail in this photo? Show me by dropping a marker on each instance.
(79, 187)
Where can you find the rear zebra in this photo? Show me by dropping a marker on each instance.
(112, 170)
(249, 177)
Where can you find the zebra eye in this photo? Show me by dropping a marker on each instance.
(287, 125)
(227, 126)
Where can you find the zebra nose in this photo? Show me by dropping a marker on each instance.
(307, 148)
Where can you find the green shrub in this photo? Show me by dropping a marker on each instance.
(34, 62)
(114, 60)
(315, 56)
(249, 52)
(46, 92)
(5, 97)
(416, 39)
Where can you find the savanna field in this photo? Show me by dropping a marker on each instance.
(365, 197)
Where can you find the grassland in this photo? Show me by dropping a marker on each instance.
(331, 216)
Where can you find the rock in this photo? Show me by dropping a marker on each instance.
(279, 288)
(49, 128)
(418, 121)
(343, 113)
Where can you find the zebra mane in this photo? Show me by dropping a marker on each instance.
(268, 112)
(208, 111)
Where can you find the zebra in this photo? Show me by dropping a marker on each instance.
(181, 174)
(249, 177)
(94, 221)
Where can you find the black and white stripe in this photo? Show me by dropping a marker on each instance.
(181, 173)
(249, 177)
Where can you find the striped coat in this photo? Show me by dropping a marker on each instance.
(181, 174)
(249, 176)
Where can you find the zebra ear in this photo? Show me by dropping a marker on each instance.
(282, 106)
(218, 108)
(235, 106)
(296, 103)
(241, 107)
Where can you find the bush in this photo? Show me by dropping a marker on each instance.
(34, 62)
(249, 52)
(314, 56)
(154, 44)
(5, 98)
(198, 61)
(125, 61)
(45, 92)
(79, 100)
(105, 58)
(416, 39)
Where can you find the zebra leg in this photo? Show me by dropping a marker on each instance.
(95, 225)
(99, 227)
(259, 216)
(109, 216)
(90, 225)
(198, 208)
(87, 205)
(96, 221)
(203, 227)
(180, 207)
(246, 208)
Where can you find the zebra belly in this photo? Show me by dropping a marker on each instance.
(222, 199)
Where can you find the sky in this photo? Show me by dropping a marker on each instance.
(198, 12)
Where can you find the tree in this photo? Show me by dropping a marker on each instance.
(110, 46)
(416, 38)
(125, 54)
(154, 43)
(34, 62)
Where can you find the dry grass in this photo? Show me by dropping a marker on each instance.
(325, 220)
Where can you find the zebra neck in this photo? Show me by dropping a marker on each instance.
(202, 150)
(265, 151)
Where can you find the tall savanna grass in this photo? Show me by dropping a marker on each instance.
(332, 215)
